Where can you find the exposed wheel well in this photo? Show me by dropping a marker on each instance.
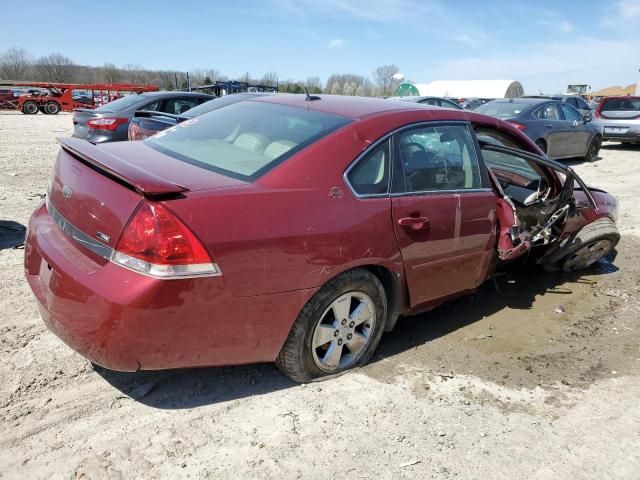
(542, 143)
(396, 297)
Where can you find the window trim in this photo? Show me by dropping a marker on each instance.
(361, 157)
(482, 168)
(391, 137)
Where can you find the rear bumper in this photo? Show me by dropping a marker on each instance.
(619, 130)
(125, 321)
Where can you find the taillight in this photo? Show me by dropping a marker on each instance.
(137, 132)
(519, 126)
(597, 113)
(106, 123)
(156, 243)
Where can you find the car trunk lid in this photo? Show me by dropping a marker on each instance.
(96, 189)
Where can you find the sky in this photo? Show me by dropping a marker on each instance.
(543, 44)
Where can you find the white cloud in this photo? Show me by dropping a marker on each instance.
(629, 9)
(337, 43)
(549, 66)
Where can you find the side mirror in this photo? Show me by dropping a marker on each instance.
(587, 117)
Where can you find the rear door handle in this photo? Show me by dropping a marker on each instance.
(414, 223)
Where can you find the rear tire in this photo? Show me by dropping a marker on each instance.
(30, 107)
(593, 242)
(594, 148)
(542, 145)
(52, 108)
(325, 339)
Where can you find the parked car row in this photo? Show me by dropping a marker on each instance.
(295, 228)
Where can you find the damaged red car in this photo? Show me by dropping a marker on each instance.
(294, 229)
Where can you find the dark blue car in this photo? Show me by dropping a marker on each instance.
(556, 127)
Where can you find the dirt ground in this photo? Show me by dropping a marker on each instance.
(535, 377)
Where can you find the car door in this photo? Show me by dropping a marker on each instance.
(443, 212)
(578, 135)
(537, 185)
(555, 129)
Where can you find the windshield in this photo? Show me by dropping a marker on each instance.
(246, 139)
(502, 109)
(215, 103)
(121, 103)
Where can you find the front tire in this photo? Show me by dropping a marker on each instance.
(338, 329)
(592, 243)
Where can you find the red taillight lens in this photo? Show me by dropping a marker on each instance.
(106, 123)
(519, 126)
(156, 236)
(156, 243)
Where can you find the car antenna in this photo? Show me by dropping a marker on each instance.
(310, 98)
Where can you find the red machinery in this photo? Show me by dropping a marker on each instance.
(51, 98)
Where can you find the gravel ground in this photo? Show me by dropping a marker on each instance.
(495, 385)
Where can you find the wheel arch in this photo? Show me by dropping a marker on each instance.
(395, 290)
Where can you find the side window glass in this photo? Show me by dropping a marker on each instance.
(438, 158)
(178, 106)
(519, 178)
(430, 101)
(547, 112)
(371, 175)
(573, 102)
(582, 105)
(154, 106)
(570, 114)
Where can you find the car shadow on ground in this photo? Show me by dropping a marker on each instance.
(516, 289)
(196, 387)
(11, 234)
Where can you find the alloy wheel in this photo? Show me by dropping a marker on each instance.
(343, 332)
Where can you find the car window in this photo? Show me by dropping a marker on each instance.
(547, 112)
(177, 106)
(519, 177)
(572, 101)
(502, 109)
(430, 101)
(246, 139)
(495, 137)
(448, 104)
(621, 104)
(582, 105)
(121, 103)
(570, 114)
(437, 158)
(371, 174)
(153, 106)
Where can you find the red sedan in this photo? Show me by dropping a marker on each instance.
(294, 229)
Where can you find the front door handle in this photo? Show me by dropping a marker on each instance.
(548, 125)
(414, 223)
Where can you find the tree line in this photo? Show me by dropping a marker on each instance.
(18, 64)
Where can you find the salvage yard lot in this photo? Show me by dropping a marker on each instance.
(537, 376)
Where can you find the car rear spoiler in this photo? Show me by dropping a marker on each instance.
(124, 171)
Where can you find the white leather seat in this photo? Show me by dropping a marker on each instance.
(278, 148)
(251, 142)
